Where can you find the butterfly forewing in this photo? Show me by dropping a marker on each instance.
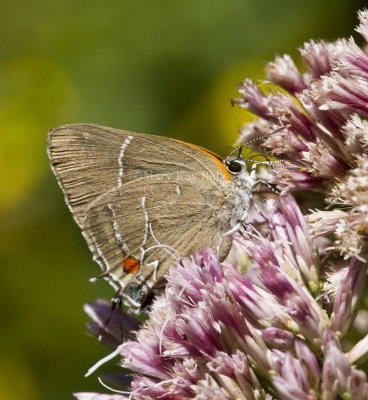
(89, 160)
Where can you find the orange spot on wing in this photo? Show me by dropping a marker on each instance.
(214, 156)
(131, 265)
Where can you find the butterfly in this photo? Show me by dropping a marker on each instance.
(141, 200)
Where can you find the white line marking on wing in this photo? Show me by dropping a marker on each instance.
(121, 156)
(115, 227)
(146, 224)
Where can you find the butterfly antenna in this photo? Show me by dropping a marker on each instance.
(266, 135)
(259, 155)
(240, 148)
(240, 151)
(278, 163)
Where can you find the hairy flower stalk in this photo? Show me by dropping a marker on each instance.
(284, 327)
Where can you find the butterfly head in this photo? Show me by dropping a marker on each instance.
(235, 165)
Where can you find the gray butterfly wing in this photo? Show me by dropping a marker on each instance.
(177, 212)
(89, 160)
(105, 173)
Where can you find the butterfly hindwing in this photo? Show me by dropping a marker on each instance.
(137, 230)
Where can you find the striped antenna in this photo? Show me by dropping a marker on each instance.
(240, 148)
(278, 163)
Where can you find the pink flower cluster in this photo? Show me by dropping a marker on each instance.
(269, 322)
(216, 334)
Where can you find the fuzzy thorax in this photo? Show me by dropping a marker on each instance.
(238, 196)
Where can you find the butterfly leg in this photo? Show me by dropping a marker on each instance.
(233, 229)
(261, 181)
(115, 301)
(226, 235)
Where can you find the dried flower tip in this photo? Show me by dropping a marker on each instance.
(322, 159)
(323, 223)
(284, 73)
(356, 134)
(350, 59)
(317, 56)
(340, 93)
(362, 28)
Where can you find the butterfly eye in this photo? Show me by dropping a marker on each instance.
(234, 166)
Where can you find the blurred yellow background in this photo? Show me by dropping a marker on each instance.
(164, 67)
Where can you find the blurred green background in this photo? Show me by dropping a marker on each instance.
(165, 67)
